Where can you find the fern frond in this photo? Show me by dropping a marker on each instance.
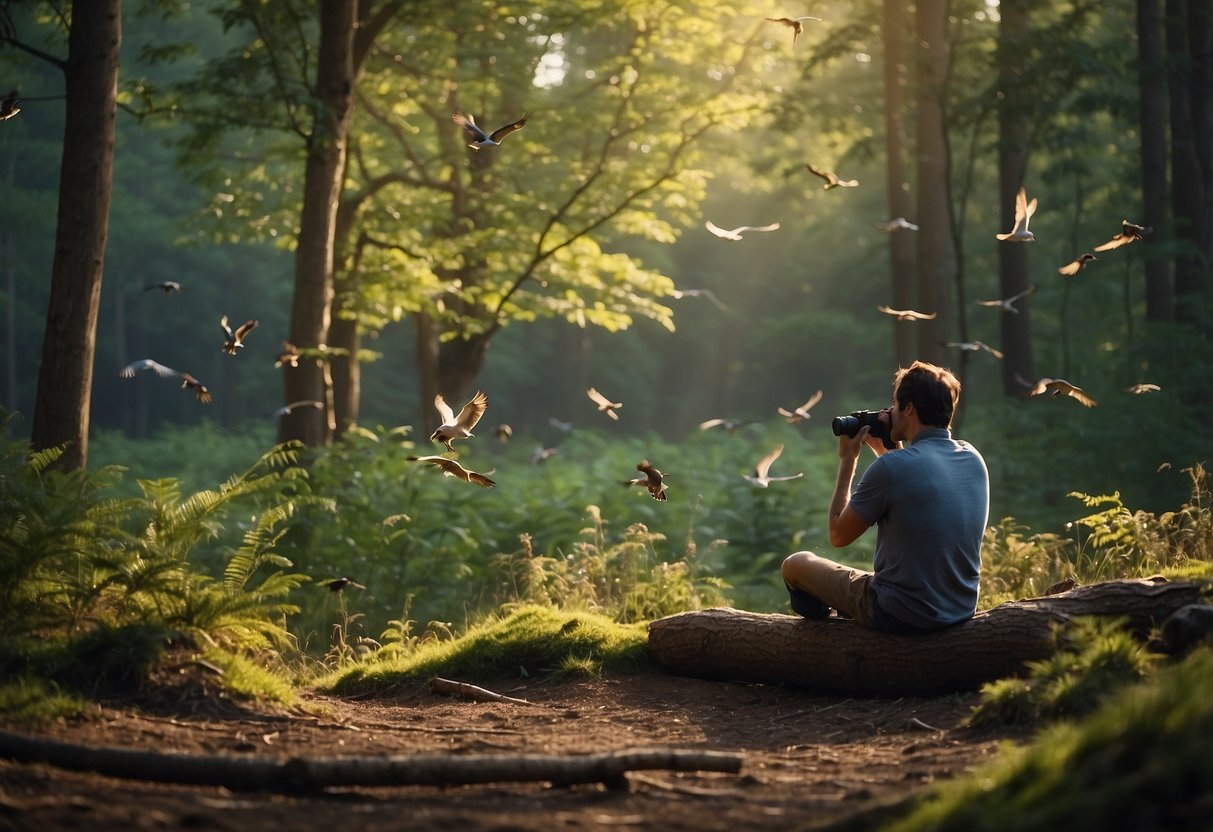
(39, 461)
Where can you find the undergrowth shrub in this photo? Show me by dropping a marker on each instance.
(94, 587)
(1094, 659)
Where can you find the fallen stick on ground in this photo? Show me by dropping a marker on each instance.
(440, 685)
(300, 774)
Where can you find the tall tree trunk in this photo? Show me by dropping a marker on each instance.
(8, 251)
(1014, 137)
(934, 218)
(1186, 182)
(901, 244)
(1152, 97)
(347, 373)
(65, 378)
(311, 310)
(1200, 48)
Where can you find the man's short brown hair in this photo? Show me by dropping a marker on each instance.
(933, 390)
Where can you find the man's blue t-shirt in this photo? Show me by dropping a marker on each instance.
(930, 502)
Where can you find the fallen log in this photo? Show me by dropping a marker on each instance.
(840, 657)
(300, 774)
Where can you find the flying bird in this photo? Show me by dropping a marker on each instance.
(972, 346)
(899, 224)
(801, 413)
(477, 138)
(793, 23)
(293, 406)
(147, 364)
(1023, 212)
(1008, 304)
(200, 392)
(1077, 264)
(653, 480)
(679, 294)
(504, 433)
(731, 425)
(1128, 233)
(166, 286)
(735, 233)
(451, 468)
(233, 341)
(1061, 387)
(8, 107)
(563, 427)
(289, 357)
(339, 584)
(832, 180)
(762, 477)
(604, 404)
(460, 427)
(542, 455)
(906, 314)
(1145, 387)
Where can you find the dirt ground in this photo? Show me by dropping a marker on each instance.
(809, 762)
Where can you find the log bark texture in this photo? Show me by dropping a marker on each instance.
(840, 657)
(301, 774)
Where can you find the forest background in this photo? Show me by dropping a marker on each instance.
(577, 249)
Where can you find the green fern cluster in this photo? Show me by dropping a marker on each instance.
(92, 583)
(1095, 658)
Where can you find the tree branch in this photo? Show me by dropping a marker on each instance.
(276, 70)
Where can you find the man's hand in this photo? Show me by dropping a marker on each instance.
(850, 446)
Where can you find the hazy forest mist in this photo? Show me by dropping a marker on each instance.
(579, 246)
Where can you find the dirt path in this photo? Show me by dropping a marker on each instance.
(809, 761)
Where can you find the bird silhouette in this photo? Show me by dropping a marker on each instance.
(451, 468)
(907, 314)
(1023, 212)
(653, 480)
(793, 23)
(1128, 233)
(1077, 264)
(340, 584)
(762, 477)
(731, 425)
(147, 364)
(477, 138)
(460, 427)
(504, 433)
(1008, 304)
(831, 179)
(799, 414)
(9, 106)
(293, 406)
(605, 405)
(200, 392)
(563, 427)
(166, 286)
(679, 294)
(735, 233)
(234, 341)
(1061, 387)
(971, 346)
(1144, 387)
(899, 224)
(289, 357)
(541, 455)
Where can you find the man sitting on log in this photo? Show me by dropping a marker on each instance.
(930, 502)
